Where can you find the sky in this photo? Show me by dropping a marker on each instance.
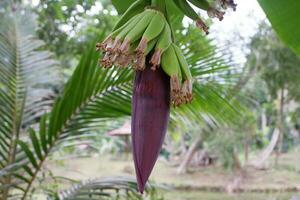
(245, 20)
(243, 23)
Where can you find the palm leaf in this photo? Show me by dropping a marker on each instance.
(23, 74)
(105, 188)
(86, 99)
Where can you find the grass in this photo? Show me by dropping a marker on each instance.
(177, 195)
(198, 183)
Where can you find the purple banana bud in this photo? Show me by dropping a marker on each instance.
(150, 116)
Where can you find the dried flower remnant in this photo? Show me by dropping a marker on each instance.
(228, 4)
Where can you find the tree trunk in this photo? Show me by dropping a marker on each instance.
(237, 166)
(263, 121)
(259, 162)
(188, 157)
(246, 149)
(280, 122)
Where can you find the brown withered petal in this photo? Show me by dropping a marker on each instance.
(123, 60)
(106, 60)
(140, 50)
(228, 3)
(102, 46)
(216, 13)
(187, 92)
(150, 116)
(115, 46)
(200, 24)
(125, 47)
(156, 58)
(140, 62)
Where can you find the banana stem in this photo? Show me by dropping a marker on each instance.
(170, 24)
(159, 4)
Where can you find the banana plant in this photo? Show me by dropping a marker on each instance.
(144, 39)
(24, 72)
(94, 95)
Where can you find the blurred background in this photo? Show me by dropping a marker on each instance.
(239, 139)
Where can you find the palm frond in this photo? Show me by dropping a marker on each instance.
(91, 95)
(106, 188)
(23, 72)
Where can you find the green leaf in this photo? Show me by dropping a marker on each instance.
(43, 138)
(29, 153)
(35, 143)
(284, 17)
(26, 72)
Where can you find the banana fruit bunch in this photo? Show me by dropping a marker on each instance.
(133, 41)
(144, 32)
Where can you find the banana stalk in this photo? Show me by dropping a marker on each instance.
(185, 7)
(211, 11)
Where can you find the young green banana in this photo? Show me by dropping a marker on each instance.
(135, 8)
(185, 7)
(164, 41)
(126, 30)
(183, 63)
(205, 5)
(155, 27)
(187, 86)
(137, 31)
(109, 40)
(170, 65)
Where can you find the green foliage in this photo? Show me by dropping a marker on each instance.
(283, 16)
(24, 74)
(67, 26)
(278, 65)
(228, 141)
